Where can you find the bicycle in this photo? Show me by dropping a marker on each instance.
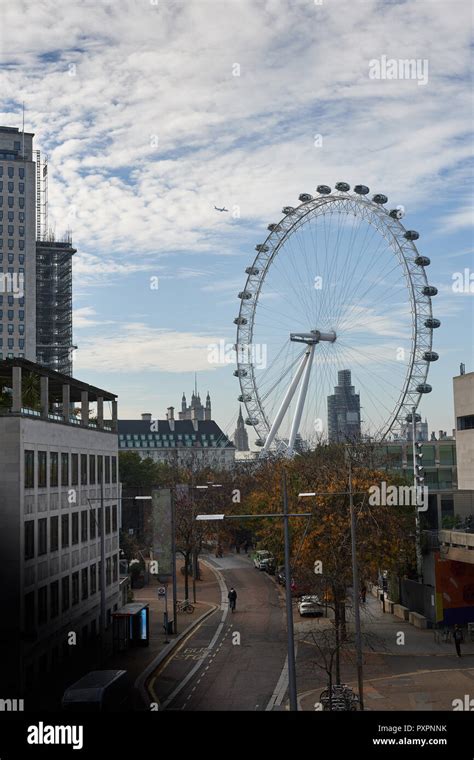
(185, 606)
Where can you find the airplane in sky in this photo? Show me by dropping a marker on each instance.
(221, 209)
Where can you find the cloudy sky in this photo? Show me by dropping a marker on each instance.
(152, 111)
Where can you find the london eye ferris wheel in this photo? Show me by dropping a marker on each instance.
(337, 286)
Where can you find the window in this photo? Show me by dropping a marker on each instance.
(74, 469)
(107, 520)
(108, 571)
(83, 469)
(99, 520)
(29, 469)
(42, 605)
(21, 173)
(114, 469)
(64, 469)
(107, 469)
(42, 471)
(93, 578)
(84, 583)
(92, 525)
(115, 567)
(53, 469)
(64, 531)
(100, 469)
(10, 171)
(54, 534)
(91, 469)
(29, 618)
(84, 525)
(65, 593)
(466, 422)
(42, 536)
(29, 539)
(114, 518)
(75, 588)
(75, 528)
(54, 598)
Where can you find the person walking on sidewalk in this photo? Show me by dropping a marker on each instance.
(458, 637)
(232, 596)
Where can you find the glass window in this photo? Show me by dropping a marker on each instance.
(107, 469)
(114, 518)
(42, 605)
(54, 598)
(93, 578)
(108, 571)
(42, 536)
(21, 173)
(54, 533)
(65, 593)
(75, 528)
(75, 588)
(29, 539)
(428, 455)
(114, 469)
(10, 171)
(83, 469)
(84, 526)
(42, 470)
(53, 469)
(74, 469)
(115, 567)
(100, 468)
(64, 469)
(84, 583)
(29, 468)
(107, 520)
(92, 525)
(91, 469)
(64, 531)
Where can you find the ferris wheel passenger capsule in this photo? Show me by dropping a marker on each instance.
(245, 295)
(323, 189)
(432, 323)
(240, 373)
(343, 187)
(411, 235)
(243, 398)
(398, 212)
(251, 421)
(240, 321)
(261, 248)
(429, 290)
(430, 356)
(252, 270)
(361, 189)
(422, 261)
(424, 388)
(288, 210)
(305, 197)
(274, 227)
(380, 198)
(259, 442)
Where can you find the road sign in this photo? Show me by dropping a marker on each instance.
(162, 591)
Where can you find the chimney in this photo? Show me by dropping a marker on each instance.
(146, 417)
(440, 432)
(170, 413)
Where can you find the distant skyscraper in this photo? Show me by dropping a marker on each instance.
(344, 410)
(241, 437)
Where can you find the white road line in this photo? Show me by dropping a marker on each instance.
(281, 687)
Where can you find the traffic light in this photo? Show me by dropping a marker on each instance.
(419, 469)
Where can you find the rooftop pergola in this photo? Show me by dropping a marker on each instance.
(57, 391)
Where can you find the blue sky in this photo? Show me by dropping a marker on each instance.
(146, 127)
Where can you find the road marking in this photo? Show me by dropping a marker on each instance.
(281, 687)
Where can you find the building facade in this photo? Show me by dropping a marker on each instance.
(241, 437)
(196, 410)
(193, 444)
(344, 411)
(463, 386)
(54, 465)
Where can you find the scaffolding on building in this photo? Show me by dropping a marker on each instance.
(41, 196)
(54, 342)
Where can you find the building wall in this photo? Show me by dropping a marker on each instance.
(20, 505)
(464, 407)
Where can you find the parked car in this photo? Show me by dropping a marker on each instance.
(260, 557)
(99, 691)
(269, 565)
(280, 575)
(310, 605)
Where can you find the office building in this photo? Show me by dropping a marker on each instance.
(344, 411)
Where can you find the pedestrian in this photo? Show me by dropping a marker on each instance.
(363, 593)
(232, 596)
(246, 547)
(458, 637)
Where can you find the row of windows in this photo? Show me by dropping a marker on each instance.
(11, 329)
(11, 258)
(10, 313)
(99, 468)
(80, 585)
(83, 526)
(11, 343)
(9, 186)
(11, 169)
(11, 244)
(165, 444)
(10, 356)
(466, 422)
(11, 201)
(10, 228)
(163, 436)
(11, 216)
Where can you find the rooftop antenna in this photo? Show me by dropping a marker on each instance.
(195, 384)
(23, 131)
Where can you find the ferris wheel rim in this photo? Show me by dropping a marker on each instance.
(415, 277)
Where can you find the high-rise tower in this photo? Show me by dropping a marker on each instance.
(241, 437)
(344, 410)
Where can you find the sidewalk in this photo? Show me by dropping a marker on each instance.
(136, 660)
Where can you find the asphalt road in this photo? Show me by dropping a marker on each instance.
(232, 661)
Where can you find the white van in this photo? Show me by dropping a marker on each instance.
(99, 691)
